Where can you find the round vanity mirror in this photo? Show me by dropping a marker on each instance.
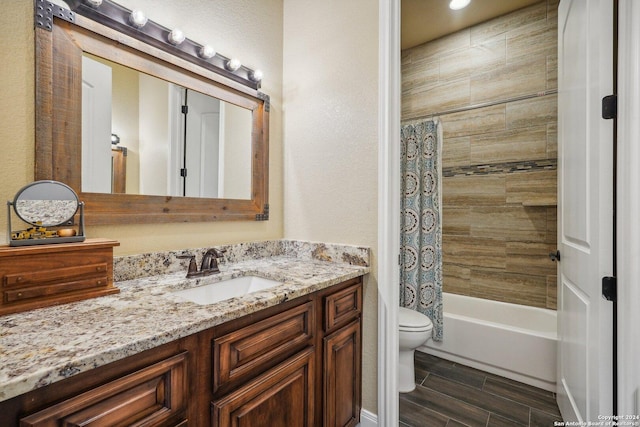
(46, 203)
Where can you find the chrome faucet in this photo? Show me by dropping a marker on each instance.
(209, 264)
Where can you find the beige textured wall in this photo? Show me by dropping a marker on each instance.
(248, 29)
(16, 102)
(499, 162)
(330, 98)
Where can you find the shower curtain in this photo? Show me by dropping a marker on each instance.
(421, 229)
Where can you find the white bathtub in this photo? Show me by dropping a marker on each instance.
(510, 340)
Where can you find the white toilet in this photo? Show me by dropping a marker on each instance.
(415, 330)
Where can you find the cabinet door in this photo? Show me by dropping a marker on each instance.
(342, 376)
(281, 397)
(153, 396)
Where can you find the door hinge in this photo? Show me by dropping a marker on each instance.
(609, 288)
(183, 172)
(610, 107)
(185, 109)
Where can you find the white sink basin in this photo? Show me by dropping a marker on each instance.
(220, 291)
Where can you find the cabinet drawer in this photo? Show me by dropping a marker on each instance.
(248, 351)
(52, 289)
(54, 275)
(153, 396)
(342, 306)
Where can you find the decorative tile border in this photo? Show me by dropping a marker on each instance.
(506, 167)
(157, 263)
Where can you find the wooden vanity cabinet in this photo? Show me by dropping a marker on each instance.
(294, 364)
(152, 388)
(317, 381)
(342, 355)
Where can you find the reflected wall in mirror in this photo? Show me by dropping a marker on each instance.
(230, 165)
(177, 141)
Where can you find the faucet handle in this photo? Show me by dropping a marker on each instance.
(193, 267)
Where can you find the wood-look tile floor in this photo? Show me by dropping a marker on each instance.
(448, 394)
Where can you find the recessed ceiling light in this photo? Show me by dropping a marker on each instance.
(458, 4)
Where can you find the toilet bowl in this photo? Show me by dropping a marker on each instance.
(415, 330)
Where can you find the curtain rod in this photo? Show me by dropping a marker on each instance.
(482, 105)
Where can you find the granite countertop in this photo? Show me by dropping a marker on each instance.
(40, 347)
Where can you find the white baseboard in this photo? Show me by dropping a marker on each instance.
(368, 419)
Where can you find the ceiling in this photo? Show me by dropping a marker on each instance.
(424, 20)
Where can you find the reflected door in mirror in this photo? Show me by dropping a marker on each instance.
(96, 126)
(181, 142)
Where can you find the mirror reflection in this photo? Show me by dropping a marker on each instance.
(46, 203)
(143, 135)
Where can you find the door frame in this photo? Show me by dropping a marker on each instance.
(628, 207)
(388, 209)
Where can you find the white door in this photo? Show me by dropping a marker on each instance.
(202, 145)
(585, 209)
(96, 126)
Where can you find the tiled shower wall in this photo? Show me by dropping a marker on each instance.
(499, 161)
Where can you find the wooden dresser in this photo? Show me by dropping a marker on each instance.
(43, 275)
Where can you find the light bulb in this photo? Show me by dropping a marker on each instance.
(93, 3)
(458, 4)
(176, 37)
(137, 19)
(206, 52)
(256, 75)
(233, 64)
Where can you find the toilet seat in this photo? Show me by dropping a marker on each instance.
(413, 321)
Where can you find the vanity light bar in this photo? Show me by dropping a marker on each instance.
(136, 25)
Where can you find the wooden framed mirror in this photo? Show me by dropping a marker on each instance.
(63, 41)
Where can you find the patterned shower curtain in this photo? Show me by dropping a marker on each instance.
(421, 229)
